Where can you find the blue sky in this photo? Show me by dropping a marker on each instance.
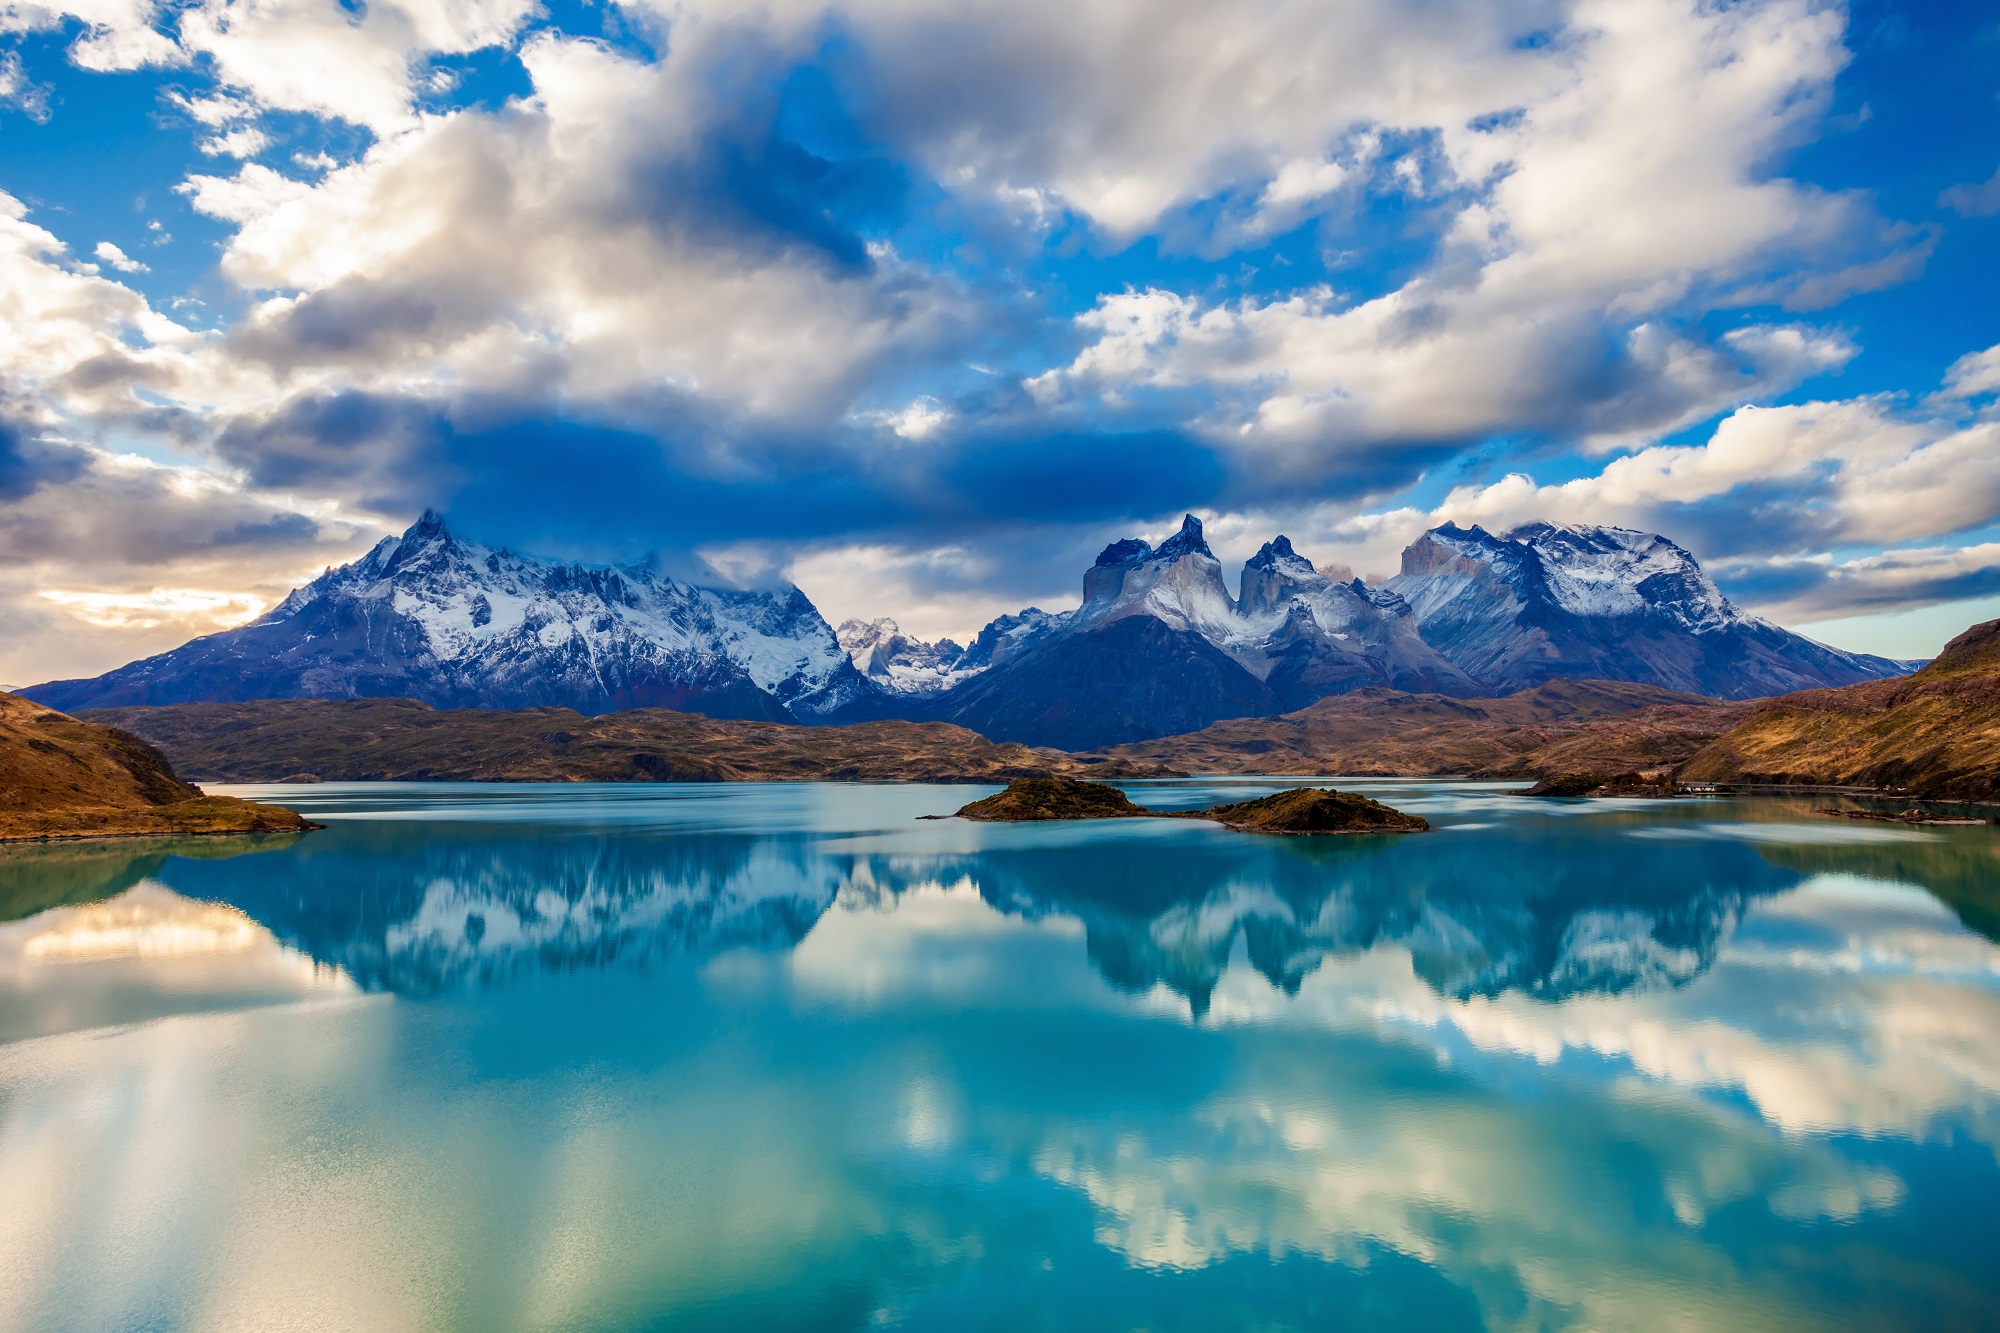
(920, 303)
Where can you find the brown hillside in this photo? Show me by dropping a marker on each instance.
(1933, 734)
(62, 778)
(359, 740)
(1561, 727)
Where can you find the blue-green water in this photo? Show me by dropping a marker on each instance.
(785, 1057)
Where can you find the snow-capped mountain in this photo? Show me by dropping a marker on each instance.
(1159, 646)
(430, 616)
(1545, 602)
(467, 911)
(898, 663)
(911, 668)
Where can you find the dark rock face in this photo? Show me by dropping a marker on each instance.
(1133, 679)
(1544, 603)
(428, 616)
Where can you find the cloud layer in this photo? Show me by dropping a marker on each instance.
(923, 301)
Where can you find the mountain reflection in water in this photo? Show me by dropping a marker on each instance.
(478, 902)
(786, 1057)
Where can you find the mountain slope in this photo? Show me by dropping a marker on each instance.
(376, 740)
(1561, 726)
(1137, 676)
(62, 778)
(456, 624)
(1933, 734)
(1545, 602)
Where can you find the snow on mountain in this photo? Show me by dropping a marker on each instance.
(911, 668)
(430, 616)
(1179, 584)
(1546, 601)
(1293, 628)
(1159, 645)
(898, 663)
(1006, 637)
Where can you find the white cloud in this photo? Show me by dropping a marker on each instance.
(948, 591)
(1974, 375)
(19, 91)
(116, 35)
(517, 251)
(1974, 201)
(243, 141)
(1628, 186)
(78, 341)
(1866, 475)
(1889, 580)
(366, 66)
(118, 259)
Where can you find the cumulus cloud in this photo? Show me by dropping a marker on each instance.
(1848, 472)
(564, 245)
(733, 282)
(115, 34)
(1626, 188)
(110, 254)
(1766, 501)
(104, 557)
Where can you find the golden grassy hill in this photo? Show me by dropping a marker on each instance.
(364, 740)
(62, 778)
(1934, 734)
(1564, 726)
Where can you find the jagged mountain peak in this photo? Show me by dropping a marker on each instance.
(433, 616)
(1188, 541)
(1124, 551)
(1278, 553)
(1547, 600)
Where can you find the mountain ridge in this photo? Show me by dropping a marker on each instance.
(1933, 734)
(428, 615)
(1159, 645)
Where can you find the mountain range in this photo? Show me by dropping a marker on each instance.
(455, 624)
(1159, 645)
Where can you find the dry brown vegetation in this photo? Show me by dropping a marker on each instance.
(62, 778)
(1564, 726)
(1933, 734)
(1304, 810)
(1028, 800)
(1313, 810)
(360, 740)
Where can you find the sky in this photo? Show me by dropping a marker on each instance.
(919, 303)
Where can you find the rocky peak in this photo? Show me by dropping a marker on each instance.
(1274, 575)
(1124, 552)
(1188, 541)
(1278, 554)
(1449, 547)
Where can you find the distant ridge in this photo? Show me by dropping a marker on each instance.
(430, 616)
(1546, 602)
(1934, 734)
(1160, 646)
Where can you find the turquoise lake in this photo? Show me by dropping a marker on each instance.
(785, 1057)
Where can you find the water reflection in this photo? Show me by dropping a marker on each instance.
(786, 1059)
(419, 912)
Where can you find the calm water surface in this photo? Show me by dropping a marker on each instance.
(784, 1057)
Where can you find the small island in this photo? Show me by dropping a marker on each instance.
(1599, 784)
(1310, 810)
(1301, 810)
